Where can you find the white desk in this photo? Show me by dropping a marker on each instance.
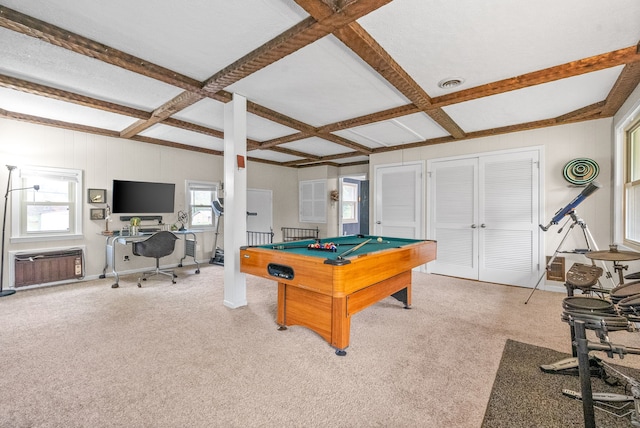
(115, 240)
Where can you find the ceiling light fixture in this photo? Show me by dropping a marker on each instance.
(450, 82)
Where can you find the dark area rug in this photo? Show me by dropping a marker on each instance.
(525, 396)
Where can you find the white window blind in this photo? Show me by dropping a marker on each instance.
(313, 201)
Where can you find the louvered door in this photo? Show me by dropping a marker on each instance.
(484, 214)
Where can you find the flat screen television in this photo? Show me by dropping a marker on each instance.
(141, 197)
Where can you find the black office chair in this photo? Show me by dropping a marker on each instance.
(158, 245)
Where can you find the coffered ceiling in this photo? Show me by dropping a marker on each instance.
(327, 81)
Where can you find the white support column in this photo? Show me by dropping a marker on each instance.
(235, 200)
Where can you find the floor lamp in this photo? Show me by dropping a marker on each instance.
(4, 223)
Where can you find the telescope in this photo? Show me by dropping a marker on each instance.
(571, 206)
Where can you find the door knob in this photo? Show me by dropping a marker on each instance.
(483, 225)
(378, 222)
(473, 226)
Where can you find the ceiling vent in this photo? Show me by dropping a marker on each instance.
(451, 82)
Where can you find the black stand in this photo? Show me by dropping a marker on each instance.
(583, 346)
(4, 293)
(588, 238)
(4, 224)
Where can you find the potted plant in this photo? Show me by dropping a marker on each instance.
(135, 225)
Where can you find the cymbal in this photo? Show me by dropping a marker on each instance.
(613, 255)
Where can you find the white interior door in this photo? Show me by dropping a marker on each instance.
(260, 209)
(508, 216)
(454, 217)
(398, 200)
(484, 214)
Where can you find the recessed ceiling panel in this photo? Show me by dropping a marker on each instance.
(36, 61)
(534, 103)
(210, 113)
(484, 42)
(261, 129)
(320, 84)
(402, 130)
(20, 102)
(272, 156)
(206, 112)
(194, 38)
(352, 160)
(317, 146)
(183, 136)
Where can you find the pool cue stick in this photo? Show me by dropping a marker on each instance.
(357, 247)
(286, 247)
(370, 243)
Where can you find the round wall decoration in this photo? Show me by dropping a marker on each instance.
(581, 171)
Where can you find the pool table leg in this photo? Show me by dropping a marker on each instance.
(404, 296)
(281, 318)
(340, 325)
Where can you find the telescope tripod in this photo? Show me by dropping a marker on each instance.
(588, 238)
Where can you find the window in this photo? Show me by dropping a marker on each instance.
(313, 201)
(349, 202)
(199, 197)
(632, 186)
(54, 210)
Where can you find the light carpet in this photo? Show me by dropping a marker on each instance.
(87, 355)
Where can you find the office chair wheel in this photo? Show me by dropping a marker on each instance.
(139, 285)
(175, 276)
(115, 285)
(198, 271)
(173, 281)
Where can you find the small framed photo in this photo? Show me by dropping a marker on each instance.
(97, 196)
(97, 213)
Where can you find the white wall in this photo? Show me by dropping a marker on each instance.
(561, 144)
(284, 184)
(104, 158)
(332, 174)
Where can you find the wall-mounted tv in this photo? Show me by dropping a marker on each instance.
(141, 197)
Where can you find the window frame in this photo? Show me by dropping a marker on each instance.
(631, 155)
(19, 204)
(190, 185)
(353, 203)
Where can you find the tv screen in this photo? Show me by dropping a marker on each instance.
(141, 197)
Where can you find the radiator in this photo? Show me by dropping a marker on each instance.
(48, 266)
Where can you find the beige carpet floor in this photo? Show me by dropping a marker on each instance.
(87, 355)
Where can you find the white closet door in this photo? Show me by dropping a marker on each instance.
(454, 217)
(484, 213)
(398, 201)
(508, 217)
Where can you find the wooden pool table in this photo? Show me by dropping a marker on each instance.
(320, 289)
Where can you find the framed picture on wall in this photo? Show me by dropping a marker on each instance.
(97, 213)
(97, 196)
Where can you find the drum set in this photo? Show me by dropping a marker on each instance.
(602, 311)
